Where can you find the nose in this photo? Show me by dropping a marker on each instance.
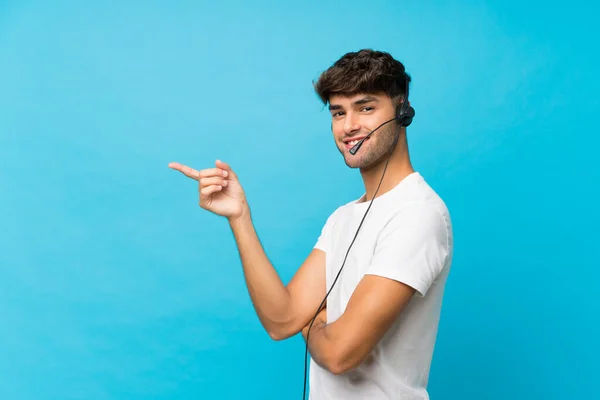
(351, 123)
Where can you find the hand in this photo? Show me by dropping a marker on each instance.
(219, 189)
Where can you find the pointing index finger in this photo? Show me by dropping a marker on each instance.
(184, 169)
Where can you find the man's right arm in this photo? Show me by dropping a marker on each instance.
(282, 310)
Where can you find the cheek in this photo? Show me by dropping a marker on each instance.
(337, 129)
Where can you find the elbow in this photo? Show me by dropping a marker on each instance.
(280, 332)
(341, 362)
(339, 367)
(278, 335)
(279, 329)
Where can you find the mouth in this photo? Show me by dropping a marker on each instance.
(351, 143)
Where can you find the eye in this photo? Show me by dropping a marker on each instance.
(337, 114)
(367, 108)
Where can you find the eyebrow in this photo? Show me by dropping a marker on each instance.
(364, 100)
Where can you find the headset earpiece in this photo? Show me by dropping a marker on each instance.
(404, 112)
(404, 117)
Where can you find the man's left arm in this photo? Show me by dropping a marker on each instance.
(345, 343)
(410, 253)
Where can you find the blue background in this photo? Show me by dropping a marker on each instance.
(114, 284)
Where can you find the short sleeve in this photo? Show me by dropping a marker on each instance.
(324, 239)
(413, 247)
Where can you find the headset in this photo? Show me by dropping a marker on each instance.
(404, 116)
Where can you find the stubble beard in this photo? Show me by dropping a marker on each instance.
(373, 151)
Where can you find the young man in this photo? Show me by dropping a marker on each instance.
(375, 335)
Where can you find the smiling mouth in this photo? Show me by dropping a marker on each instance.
(353, 143)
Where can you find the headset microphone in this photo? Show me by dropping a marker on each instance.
(355, 148)
(404, 116)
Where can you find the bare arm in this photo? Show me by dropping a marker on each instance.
(282, 310)
(344, 344)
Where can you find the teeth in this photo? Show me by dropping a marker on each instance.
(352, 143)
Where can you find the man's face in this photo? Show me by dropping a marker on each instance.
(353, 118)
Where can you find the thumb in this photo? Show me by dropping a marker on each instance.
(226, 167)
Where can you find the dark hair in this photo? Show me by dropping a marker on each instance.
(364, 71)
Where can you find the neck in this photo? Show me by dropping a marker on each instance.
(399, 167)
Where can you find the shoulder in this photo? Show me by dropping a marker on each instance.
(339, 212)
(414, 245)
(421, 204)
(419, 217)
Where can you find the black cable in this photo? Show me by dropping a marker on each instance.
(347, 252)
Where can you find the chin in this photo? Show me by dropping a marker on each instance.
(363, 161)
(365, 158)
(353, 164)
(356, 161)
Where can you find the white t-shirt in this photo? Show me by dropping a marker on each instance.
(406, 236)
